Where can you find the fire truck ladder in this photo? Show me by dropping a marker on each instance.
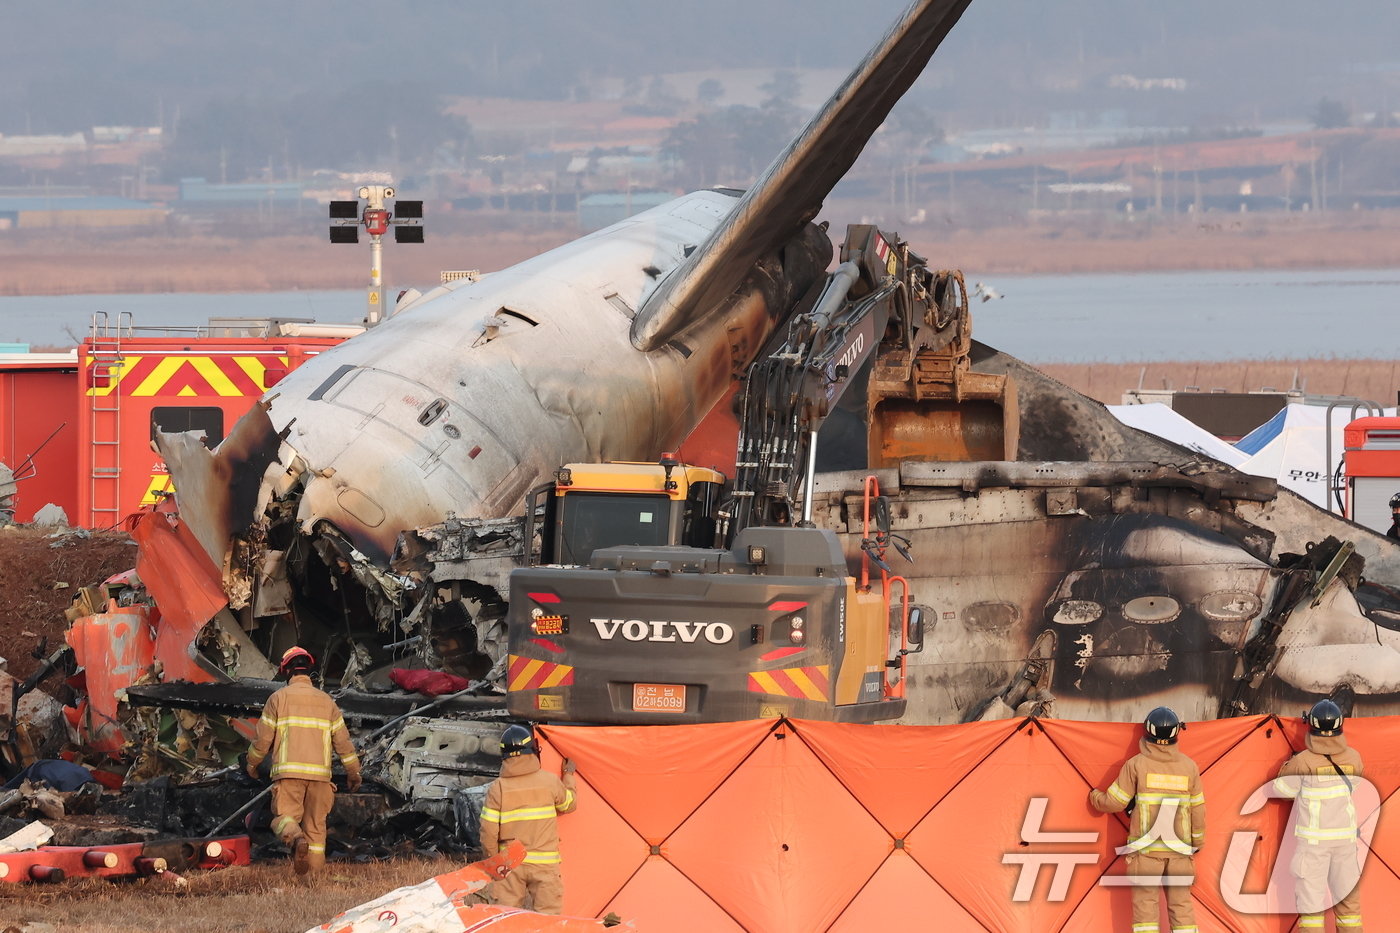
(105, 418)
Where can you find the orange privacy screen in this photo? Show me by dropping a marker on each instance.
(795, 827)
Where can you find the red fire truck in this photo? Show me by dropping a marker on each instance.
(76, 428)
(1371, 469)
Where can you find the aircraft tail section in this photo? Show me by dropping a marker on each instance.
(791, 190)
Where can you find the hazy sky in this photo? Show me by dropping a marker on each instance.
(72, 64)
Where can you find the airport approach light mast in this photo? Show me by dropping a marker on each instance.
(407, 220)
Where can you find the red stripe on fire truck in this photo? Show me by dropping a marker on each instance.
(183, 376)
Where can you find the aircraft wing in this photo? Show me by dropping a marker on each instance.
(790, 192)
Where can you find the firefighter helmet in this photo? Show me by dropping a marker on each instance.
(1325, 718)
(1162, 726)
(518, 740)
(296, 660)
(1395, 501)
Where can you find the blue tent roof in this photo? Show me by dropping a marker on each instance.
(1255, 440)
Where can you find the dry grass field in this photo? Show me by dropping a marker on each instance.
(1100, 244)
(1376, 380)
(260, 898)
(101, 265)
(61, 264)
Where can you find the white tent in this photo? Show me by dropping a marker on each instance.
(1156, 418)
(1292, 447)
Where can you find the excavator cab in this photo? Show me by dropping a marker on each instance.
(665, 631)
(597, 505)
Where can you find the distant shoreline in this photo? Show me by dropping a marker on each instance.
(59, 264)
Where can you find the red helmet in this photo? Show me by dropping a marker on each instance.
(296, 660)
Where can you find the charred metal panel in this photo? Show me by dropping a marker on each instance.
(434, 758)
(1205, 477)
(221, 493)
(1149, 591)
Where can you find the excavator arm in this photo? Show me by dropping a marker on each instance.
(882, 301)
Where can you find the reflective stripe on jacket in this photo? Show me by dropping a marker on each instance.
(1160, 778)
(522, 804)
(1325, 811)
(301, 725)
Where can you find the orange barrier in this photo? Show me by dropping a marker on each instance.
(795, 826)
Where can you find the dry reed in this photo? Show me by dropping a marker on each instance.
(49, 263)
(1372, 379)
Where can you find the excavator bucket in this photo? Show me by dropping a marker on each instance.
(927, 403)
(940, 429)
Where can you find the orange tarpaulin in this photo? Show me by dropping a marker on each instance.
(794, 826)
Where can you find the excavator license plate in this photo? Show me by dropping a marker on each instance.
(658, 698)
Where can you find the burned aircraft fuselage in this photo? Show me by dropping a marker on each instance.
(1094, 591)
(458, 404)
(462, 400)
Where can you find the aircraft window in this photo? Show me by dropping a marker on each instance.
(334, 378)
(616, 301)
(1230, 606)
(208, 421)
(517, 315)
(1151, 610)
(991, 616)
(1078, 612)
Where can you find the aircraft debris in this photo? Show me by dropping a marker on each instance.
(455, 902)
(51, 516)
(8, 486)
(31, 836)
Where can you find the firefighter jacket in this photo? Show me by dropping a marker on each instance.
(1159, 779)
(522, 804)
(1322, 777)
(300, 725)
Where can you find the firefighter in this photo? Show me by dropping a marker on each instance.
(1394, 531)
(523, 804)
(299, 726)
(1324, 776)
(1160, 780)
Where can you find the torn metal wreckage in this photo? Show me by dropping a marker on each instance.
(373, 507)
(1100, 570)
(166, 685)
